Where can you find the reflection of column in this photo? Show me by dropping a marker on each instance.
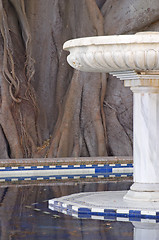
(146, 231)
(145, 87)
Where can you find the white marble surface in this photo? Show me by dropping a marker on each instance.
(114, 53)
(146, 135)
(98, 201)
(146, 144)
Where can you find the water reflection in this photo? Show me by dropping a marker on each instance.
(19, 219)
(146, 231)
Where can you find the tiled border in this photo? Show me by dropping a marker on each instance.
(105, 214)
(65, 168)
(56, 172)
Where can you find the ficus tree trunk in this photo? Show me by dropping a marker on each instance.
(48, 109)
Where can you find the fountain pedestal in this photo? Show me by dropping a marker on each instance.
(145, 88)
(134, 59)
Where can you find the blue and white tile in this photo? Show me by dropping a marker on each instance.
(65, 171)
(109, 205)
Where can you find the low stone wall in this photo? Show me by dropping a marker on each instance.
(13, 170)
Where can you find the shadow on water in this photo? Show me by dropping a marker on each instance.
(20, 220)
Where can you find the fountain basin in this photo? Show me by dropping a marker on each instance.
(139, 52)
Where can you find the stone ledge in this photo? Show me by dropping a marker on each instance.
(65, 169)
(69, 161)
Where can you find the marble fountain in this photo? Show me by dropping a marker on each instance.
(135, 60)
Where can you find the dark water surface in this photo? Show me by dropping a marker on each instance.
(21, 218)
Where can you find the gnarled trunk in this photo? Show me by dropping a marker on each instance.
(47, 108)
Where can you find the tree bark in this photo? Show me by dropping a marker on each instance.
(47, 108)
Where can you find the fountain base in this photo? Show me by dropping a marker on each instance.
(147, 192)
(109, 205)
(142, 196)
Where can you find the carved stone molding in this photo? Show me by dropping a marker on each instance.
(139, 52)
(138, 79)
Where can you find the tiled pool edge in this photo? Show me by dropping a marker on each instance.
(65, 168)
(106, 214)
(80, 205)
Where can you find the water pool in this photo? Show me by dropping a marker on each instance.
(24, 213)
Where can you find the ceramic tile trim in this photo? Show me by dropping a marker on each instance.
(73, 171)
(105, 214)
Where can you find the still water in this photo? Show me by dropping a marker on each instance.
(24, 214)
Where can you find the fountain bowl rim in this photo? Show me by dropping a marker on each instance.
(138, 38)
